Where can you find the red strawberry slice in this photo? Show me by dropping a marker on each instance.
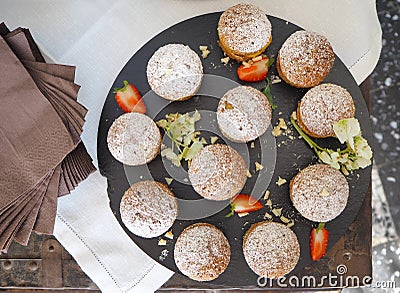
(257, 71)
(318, 241)
(243, 203)
(129, 99)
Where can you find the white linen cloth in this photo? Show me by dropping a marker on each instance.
(99, 37)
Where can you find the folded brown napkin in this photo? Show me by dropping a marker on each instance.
(42, 154)
(21, 42)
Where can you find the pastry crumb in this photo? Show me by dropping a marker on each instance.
(204, 51)
(169, 235)
(214, 139)
(324, 192)
(205, 54)
(228, 106)
(168, 71)
(249, 174)
(277, 212)
(162, 242)
(282, 124)
(163, 255)
(280, 128)
(246, 64)
(276, 131)
(241, 215)
(267, 216)
(258, 166)
(225, 60)
(284, 219)
(266, 194)
(276, 79)
(281, 181)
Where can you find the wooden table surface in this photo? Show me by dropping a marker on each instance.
(45, 266)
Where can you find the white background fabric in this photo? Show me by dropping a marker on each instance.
(99, 37)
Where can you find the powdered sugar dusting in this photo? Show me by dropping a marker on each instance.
(202, 252)
(323, 106)
(305, 59)
(134, 139)
(218, 172)
(319, 192)
(271, 249)
(245, 28)
(175, 72)
(148, 209)
(243, 114)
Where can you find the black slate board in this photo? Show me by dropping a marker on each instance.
(291, 157)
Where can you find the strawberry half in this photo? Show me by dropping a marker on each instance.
(129, 99)
(257, 71)
(243, 203)
(318, 241)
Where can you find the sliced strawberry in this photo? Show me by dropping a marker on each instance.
(129, 99)
(243, 203)
(318, 241)
(257, 71)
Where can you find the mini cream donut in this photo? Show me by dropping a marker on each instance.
(134, 139)
(148, 209)
(305, 59)
(175, 72)
(243, 114)
(244, 31)
(322, 107)
(202, 252)
(319, 192)
(271, 249)
(218, 172)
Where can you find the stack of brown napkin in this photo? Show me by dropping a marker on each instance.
(41, 156)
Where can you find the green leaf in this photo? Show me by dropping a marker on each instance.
(181, 130)
(170, 155)
(310, 142)
(346, 129)
(361, 162)
(267, 92)
(122, 89)
(232, 212)
(320, 226)
(324, 157)
(270, 61)
(362, 148)
(187, 139)
(162, 123)
(196, 117)
(358, 153)
(192, 150)
(343, 158)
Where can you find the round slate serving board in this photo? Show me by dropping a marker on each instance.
(291, 156)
